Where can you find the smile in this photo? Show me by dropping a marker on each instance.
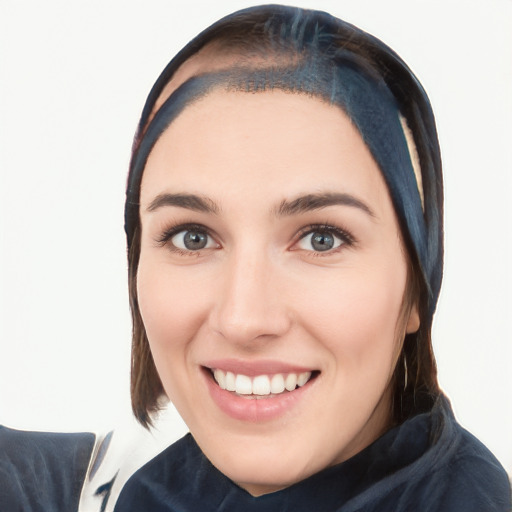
(258, 391)
(260, 385)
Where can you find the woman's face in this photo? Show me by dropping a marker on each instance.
(271, 264)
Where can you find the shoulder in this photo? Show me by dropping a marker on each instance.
(42, 470)
(473, 476)
(117, 456)
(460, 474)
(45, 471)
(178, 478)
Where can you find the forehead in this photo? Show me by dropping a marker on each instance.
(213, 58)
(288, 143)
(368, 103)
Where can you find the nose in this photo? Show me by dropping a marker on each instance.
(250, 305)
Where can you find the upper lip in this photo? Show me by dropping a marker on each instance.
(254, 368)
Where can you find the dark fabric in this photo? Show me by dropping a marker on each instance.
(42, 472)
(429, 463)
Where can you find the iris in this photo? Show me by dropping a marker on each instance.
(322, 241)
(191, 240)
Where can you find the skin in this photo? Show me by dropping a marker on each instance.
(260, 291)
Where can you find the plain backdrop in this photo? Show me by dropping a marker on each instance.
(74, 76)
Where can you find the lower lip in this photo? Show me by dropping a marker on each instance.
(255, 410)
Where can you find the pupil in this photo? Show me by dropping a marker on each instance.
(194, 240)
(322, 241)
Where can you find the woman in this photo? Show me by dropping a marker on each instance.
(284, 225)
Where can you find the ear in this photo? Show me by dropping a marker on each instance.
(413, 322)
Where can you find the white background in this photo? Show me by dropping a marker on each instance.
(73, 78)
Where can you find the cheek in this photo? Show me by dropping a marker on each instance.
(171, 306)
(356, 315)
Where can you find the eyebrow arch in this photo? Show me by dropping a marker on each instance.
(188, 201)
(311, 202)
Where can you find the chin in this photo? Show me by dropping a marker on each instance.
(263, 464)
(259, 476)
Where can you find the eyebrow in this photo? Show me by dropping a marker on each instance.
(301, 204)
(188, 201)
(310, 202)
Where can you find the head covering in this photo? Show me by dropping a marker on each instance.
(313, 53)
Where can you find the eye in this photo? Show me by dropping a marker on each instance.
(323, 239)
(192, 240)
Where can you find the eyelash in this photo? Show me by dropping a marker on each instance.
(347, 240)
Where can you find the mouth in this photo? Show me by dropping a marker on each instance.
(261, 386)
(259, 391)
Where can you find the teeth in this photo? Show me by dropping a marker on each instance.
(291, 381)
(260, 385)
(230, 381)
(243, 385)
(220, 378)
(277, 384)
(303, 378)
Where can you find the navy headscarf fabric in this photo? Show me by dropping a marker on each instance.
(371, 84)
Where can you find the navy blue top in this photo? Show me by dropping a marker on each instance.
(429, 463)
(42, 472)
